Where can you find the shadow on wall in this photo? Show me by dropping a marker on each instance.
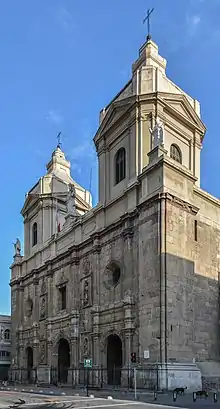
(192, 312)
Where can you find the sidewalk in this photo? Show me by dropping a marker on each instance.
(142, 395)
(69, 391)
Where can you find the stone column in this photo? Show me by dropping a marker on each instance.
(26, 237)
(23, 364)
(36, 300)
(51, 289)
(96, 270)
(75, 361)
(127, 370)
(75, 279)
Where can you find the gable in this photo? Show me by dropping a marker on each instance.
(179, 106)
(114, 114)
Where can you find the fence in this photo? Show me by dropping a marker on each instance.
(4, 369)
(96, 377)
(23, 376)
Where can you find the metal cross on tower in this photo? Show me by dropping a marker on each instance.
(147, 18)
(59, 140)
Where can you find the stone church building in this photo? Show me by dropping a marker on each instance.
(135, 278)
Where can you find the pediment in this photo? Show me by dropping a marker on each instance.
(57, 188)
(114, 113)
(31, 197)
(180, 106)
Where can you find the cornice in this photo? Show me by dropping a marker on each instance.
(128, 104)
(177, 201)
(206, 196)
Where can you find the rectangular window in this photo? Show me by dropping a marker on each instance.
(195, 231)
(62, 292)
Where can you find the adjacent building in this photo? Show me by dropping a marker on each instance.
(136, 276)
(5, 345)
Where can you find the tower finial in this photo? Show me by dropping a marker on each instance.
(59, 140)
(149, 12)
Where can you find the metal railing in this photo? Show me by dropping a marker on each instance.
(97, 377)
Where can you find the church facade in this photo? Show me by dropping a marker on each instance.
(135, 278)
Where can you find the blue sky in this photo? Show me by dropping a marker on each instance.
(61, 61)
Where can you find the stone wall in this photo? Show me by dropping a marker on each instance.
(192, 286)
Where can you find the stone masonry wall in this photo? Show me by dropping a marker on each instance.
(192, 286)
(149, 283)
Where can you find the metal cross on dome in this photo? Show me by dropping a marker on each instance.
(147, 18)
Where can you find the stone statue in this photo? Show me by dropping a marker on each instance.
(29, 307)
(85, 347)
(43, 287)
(157, 133)
(1, 333)
(71, 201)
(43, 309)
(17, 246)
(86, 266)
(86, 293)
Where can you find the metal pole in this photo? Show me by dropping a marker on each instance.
(87, 383)
(135, 383)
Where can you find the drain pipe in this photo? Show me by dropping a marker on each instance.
(163, 281)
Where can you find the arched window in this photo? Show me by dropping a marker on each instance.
(175, 153)
(34, 234)
(7, 335)
(120, 165)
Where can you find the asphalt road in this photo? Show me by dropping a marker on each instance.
(35, 401)
(145, 401)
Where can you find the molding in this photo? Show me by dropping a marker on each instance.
(206, 196)
(188, 207)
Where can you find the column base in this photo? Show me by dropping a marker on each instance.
(179, 375)
(43, 374)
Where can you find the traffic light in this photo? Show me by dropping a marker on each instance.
(133, 357)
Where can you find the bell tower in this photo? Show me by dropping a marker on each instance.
(45, 207)
(124, 137)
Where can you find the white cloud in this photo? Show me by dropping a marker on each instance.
(54, 116)
(196, 20)
(64, 19)
(193, 22)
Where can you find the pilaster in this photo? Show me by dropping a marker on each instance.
(96, 270)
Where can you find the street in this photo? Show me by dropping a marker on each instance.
(9, 398)
(22, 400)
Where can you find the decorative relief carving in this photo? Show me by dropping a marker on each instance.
(86, 293)
(43, 287)
(42, 353)
(62, 279)
(43, 308)
(29, 306)
(85, 348)
(86, 265)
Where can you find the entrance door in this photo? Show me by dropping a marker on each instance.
(114, 359)
(63, 360)
(30, 362)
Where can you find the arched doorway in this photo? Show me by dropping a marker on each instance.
(114, 359)
(63, 360)
(30, 362)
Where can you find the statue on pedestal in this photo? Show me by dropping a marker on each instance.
(17, 246)
(71, 202)
(86, 293)
(157, 133)
(43, 308)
